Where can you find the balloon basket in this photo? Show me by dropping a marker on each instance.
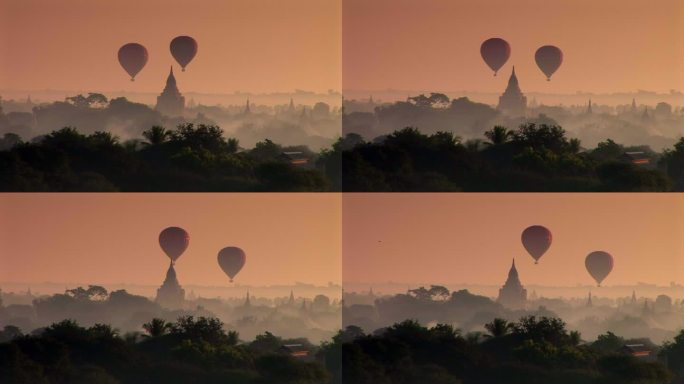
(231, 280)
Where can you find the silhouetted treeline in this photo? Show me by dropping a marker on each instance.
(199, 158)
(530, 158)
(199, 350)
(531, 350)
(191, 350)
(188, 158)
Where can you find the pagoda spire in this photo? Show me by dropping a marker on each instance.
(247, 302)
(513, 81)
(513, 272)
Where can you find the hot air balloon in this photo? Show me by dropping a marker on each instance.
(231, 260)
(174, 241)
(132, 57)
(549, 58)
(536, 240)
(183, 49)
(495, 52)
(599, 264)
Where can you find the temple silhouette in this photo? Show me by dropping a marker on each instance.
(171, 103)
(513, 294)
(512, 102)
(171, 295)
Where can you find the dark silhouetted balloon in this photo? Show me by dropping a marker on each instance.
(549, 59)
(183, 49)
(231, 260)
(495, 52)
(132, 58)
(599, 264)
(536, 240)
(174, 241)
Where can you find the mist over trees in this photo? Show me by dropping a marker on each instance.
(657, 318)
(426, 143)
(315, 126)
(315, 318)
(658, 125)
(469, 338)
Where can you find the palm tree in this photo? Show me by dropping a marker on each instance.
(156, 135)
(104, 138)
(574, 145)
(473, 338)
(498, 135)
(498, 327)
(575, 338)
(156, 327)
(233, 145)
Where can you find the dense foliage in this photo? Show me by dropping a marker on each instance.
(531, 158)
(199, 350)
(534, 157)
(188, 158)
(191, 350)
(533, 350)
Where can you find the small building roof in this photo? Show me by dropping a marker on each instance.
(296, 350)
(637, 157)
(637, 350)
(295, 157)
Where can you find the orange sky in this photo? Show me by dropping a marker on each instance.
(314, 238)
(471, 238)
(608, 45)
(113, 238)
(247, 45)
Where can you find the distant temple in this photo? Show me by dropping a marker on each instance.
(513, 102)
(171, 103)
(170, 294)
(247, 110)
(513, 294)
